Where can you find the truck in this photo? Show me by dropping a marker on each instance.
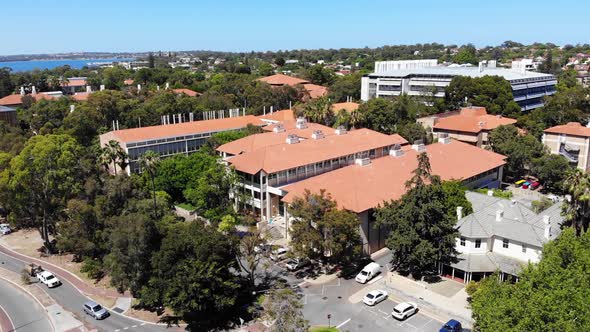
(368, 272)
(45, 277)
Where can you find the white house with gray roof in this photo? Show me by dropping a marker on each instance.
(500, 235)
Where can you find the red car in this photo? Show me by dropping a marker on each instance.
(534, 185)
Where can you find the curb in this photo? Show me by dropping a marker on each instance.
(22, 289)
(76, 287)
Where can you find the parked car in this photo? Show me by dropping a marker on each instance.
(5, 229)
(48, 279)
(368, 272)
(519, 182)
(374, 297)
(263, 248)
(404, 310)
(95, 310)
(554, 198)
(451, 326)
(526, 185)
(279, 254)
(294, 264)
(534, 185)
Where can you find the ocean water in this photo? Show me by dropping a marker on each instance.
(19, 66)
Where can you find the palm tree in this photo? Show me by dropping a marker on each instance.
(149, 163)
(113, 153)
(576, 209)
(357, 118)
(319, 111)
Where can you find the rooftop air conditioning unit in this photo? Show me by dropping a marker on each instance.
(444, 138)
(341, 130)
(292, 139)
(363, 161)
(396, 151)
(301, 123)
(279, 128)
(317, 134)
(419, 145)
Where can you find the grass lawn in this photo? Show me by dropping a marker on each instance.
(187, 206)
(323, 329)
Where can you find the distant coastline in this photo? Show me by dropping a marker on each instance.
(79, 63)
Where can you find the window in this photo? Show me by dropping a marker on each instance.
(505, 243)
(478, 243)
(524, 248)
(462, 242)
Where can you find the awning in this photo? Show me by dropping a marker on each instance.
(570, 147)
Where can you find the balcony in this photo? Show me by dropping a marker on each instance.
(572, 157)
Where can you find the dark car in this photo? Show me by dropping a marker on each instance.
(451, 326)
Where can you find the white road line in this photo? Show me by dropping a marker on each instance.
(343, 323)
(125, 328)
(134, 326)
(383, 312)
(117, 330)
(375, 280)
(412, 326)
(142, 324)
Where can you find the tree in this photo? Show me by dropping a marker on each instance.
(318, 110)
(149, 163)
(41, 179)
(227, 224)
(576, 209)
(551, 170)
(346, 86)
(467, 54)
(492, 92)
(113, 153)
(265, 69)
(132, 240)
(284, 307)
(249, 257)
(422, 227)
(321, 231)
(413, 131)
(549, 296)
(81, 230)
(521, 150)
(318, 74)
(6, 85)
(280, 61)
(193, 275)
(151, 60)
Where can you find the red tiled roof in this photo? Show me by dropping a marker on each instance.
(128, 82)
(572, 128)
(315, 91)
(16, 99)
(186, 128)
(279, 116)
(348, 106)
(81, 96)
(473, 120)
(359, 188)
(74, 82)
(280, 79)
(187, 92)
(276, 158)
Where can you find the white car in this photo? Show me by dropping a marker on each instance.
(296, 263)
(279, 254)
(404, 310)
(375, 297)
(48, 279)
(5, 229)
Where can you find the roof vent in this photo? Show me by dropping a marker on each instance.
(499, 215)
(363, 161)
(419, 145)
(341, 130)
(396, 151)
(444, 138)
(482, 123)
(301, 123)
(292, 139)
(279, 128)
(317, 134)
(547, 230)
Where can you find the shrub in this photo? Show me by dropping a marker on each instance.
(25, 277)
(93, 268)
(541, 205)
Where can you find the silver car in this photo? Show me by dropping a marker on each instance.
(5, 229)
(95, 310)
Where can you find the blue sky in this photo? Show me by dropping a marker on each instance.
(50, 26)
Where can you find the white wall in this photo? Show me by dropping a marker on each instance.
(364, 88)
(469, 247)
(514, 250)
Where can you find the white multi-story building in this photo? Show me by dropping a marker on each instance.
(500, 235)
(425, 77)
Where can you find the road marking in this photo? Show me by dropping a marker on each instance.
(383, 312)
(343, 323)
(125, 328)
(4, 314)
(117, 330)
(142, 324)
(375, 280)
(134, 326)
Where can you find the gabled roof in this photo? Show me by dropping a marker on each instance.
(187, 92)
(280, 79)
(80, 96)
(16, 99)
(473, 120)
(359, 188)
(315, 91)
(518, 222)
(348, 106)
(263, 140)
(128, 81)
(185, 128)
(572, 128)
(279, 116)
(75, 81)
(276, 158)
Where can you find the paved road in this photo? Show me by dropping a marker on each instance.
(71, 299)
(22, 313)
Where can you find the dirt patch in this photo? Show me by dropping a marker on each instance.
(148, 315)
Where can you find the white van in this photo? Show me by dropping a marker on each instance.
(368, 272)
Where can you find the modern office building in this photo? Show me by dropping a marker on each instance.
(424, 77)
(572, 141)
(171, 139)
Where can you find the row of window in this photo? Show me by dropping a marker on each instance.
(167, 149)
(171, 139)
(505, 244)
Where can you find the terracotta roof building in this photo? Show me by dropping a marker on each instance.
(74, 84)
(15, 100)
(361, 187)
(278, 116)
(187, 92)
(171, 139)
(572, 141)
(313, 90)
(347, 106)
(470, 125)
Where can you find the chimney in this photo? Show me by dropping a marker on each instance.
(396, 151)
(88, 89)
(102, 87)
(481, 65)
(419, 145)
(317, 134)
(547, 222)
(139, 87)
(459, 212)
(499, 215)
(512, 202)
(490, 193)
(72, 108)
(363, 161)
(157, 87)
(22, 90)
(341, 130)
(34, 90)
(292, 139)
(167, 85)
